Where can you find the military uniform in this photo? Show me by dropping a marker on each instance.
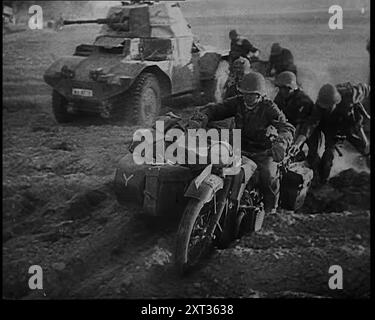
(344, 120)
(253, 125)
(296, 107)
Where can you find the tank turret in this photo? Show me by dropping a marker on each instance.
(141, 19)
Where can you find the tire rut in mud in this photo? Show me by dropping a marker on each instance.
(130, 245)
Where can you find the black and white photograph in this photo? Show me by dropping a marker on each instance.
(197, 149)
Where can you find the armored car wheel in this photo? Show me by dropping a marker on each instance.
(59, 108)
(145, 99)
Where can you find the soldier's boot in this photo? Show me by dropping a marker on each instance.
(259, 220)
(326, 165)
(314, 144)
(313, 160)
(271, 194)
(269, 183)
(360, 142)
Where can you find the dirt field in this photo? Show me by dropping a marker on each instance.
(59, 210)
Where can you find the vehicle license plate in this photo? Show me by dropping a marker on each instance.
(82, 92)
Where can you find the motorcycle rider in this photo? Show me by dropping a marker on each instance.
(338, 113)
(281, 59)
(240, 47)
(292, 100)
(254, 114)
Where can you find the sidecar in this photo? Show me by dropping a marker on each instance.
(158, 189)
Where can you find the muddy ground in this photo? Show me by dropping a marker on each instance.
(59, 209)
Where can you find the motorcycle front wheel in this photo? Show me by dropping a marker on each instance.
(193, 241)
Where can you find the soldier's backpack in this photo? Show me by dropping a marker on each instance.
(295, 183)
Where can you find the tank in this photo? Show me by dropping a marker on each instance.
(144, 54)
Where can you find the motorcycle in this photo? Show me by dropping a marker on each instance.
(218, 202)
(222, 207)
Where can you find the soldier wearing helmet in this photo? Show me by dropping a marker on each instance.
(291, 99)
(338, 112)
(240, 47)
(238, 70)
(281, 59)
(254, 114)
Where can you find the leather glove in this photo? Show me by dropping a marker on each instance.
(278, 152)
(194, 124)
(271, 133)
(198, 120)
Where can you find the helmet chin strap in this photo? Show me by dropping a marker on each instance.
(250, 107)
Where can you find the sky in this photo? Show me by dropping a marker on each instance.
(212, 8)
(243, 7)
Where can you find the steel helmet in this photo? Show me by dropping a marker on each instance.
(286, 79)
(241, 66)
(276, 49)
(328, 96)
(233, 34)
(253, 82)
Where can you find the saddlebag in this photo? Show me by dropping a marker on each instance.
(295, 184)
(164, 190)
(158, 189)
(130, 180)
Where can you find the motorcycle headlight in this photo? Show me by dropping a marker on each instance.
(221, 154)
